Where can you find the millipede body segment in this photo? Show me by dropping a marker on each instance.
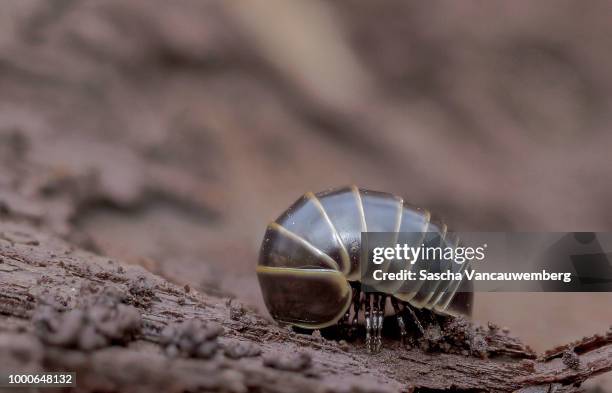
(309, 265)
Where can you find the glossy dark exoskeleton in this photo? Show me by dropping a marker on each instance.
(309, 268)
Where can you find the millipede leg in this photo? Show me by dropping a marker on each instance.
(415, 319)
(344, 324)
(374, 342)
(356, 305)
(400, 320)
(381, 315)
(368, 322)
(350, 325)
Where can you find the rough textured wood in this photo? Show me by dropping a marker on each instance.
(39, 272)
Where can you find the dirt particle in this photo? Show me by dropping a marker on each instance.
(193, 338)
(458, 333)
(431, 339)
(527, 365)
(570, 359)
(289, 362)
(187, 288)
(141, 287)
(238, 349)
(479, 346)
(236, 312)
(96, 325)
(142, 293)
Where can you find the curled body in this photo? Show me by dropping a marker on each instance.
(309, 263)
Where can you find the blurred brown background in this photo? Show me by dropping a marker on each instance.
(169, 133)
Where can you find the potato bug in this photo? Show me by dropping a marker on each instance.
(309, 263)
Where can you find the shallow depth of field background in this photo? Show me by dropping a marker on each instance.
(181, 128)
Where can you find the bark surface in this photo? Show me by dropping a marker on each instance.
(122, 328)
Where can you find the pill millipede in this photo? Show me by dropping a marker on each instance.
(309, 264)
